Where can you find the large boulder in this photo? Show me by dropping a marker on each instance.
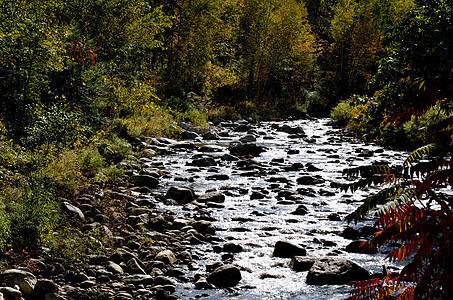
(225, 276)
(287, 249)
(25, 280)
(182, 195)
(335, 270)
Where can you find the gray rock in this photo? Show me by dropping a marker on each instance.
(225, 276)
(335, 270)
(309, 180)
(25, 280)
(300, 210)
(213, 265)
(134, 266)
(162, 280)
(73, 212)
(287, 249)
(302, 263)
(139, 279)
(183, 145)
(350, 233)
(181, 195)
(291, 130)
(189, 135)
(232, 247)
(53, 296)
(202, 284)
(216, 197)
(204, 227)
(249, 138)
(43, 287)
(203, 162)
(167, 257)
(356, 247)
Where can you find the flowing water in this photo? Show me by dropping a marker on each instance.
(258, 224)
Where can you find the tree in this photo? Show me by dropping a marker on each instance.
(357, 30)
(274, 45)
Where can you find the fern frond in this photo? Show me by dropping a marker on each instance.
(402, 197)
(363, 183)
(418, 153)
(367, 171)
(372, 202)
(423, 168)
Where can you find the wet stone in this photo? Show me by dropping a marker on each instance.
(288, 249)
(225, 276)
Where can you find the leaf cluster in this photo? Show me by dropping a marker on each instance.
(414, 211)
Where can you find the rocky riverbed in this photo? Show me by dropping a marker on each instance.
(243, 211)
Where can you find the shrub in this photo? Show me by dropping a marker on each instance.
(342, 113)
(64, 172)
(90, 161)
(114, 149)
(29, 213)
(56, 125)
(112, 174)
(416, 128)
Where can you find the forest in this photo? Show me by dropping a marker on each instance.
(82, 82)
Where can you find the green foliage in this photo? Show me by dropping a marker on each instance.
(114, 149)
(274, 44)
(113, 174)
(357, 31)
(342, 114)
(56, 125)
(29, 213)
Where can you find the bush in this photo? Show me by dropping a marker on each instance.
(416, 128)
(57, 125)
(342, 114)
(28, 214)
(112, 174)
(64, 172)
(114, 149)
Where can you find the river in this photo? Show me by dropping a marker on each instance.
(257, 222)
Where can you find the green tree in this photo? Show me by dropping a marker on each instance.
(357, 30)
(274, 45)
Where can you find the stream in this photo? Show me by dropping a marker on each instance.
(261, 194)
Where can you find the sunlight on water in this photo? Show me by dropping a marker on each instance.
(261, 223)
